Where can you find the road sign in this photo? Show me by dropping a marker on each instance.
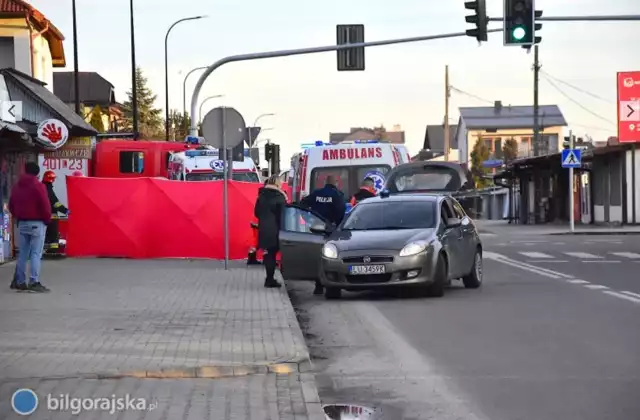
(629, 107)
(571, 158)
(224, 127)
(217, 165)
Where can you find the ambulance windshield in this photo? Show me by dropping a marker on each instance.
(217, 176)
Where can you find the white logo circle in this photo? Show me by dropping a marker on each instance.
(378, 180)
(217, 165)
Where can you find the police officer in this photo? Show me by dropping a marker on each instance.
(329, 203)
(367, 190)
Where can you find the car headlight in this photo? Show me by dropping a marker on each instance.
(413, 248)
(330, 251)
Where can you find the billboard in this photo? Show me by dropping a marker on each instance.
(629, 107)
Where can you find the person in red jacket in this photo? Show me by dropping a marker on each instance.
(29, 204)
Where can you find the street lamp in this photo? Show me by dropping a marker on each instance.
(184, 90)
(76, 75)
(255, 124)
(203, 102)
(166, 71)
(134, 87)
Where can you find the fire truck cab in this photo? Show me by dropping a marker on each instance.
(204, 164)
(133, 159)
(350, 163)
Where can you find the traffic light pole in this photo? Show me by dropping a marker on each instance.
(303, 51)
(592, 18)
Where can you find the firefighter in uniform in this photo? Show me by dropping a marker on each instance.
(329, 203)
(367, 190)
(53, 236)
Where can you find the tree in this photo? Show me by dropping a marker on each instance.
(479, 155)
(96, 120)
(179, 124)
(149, 118)
(510, 149)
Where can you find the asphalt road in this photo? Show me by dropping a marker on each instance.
(539, 341)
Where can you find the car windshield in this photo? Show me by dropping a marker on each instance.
(217, 176)
(427, 178)
(391, 215)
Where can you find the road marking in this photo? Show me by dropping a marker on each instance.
(622, 296)
(576, 281)
(596, 287)
(547, 261)
(524, 266)
(631, 255)
(626, 292)
(601, 261)
(535, 255)
(583, 255)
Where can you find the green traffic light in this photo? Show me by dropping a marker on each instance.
(518, 33)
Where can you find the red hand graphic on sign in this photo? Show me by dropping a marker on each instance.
(51, 133)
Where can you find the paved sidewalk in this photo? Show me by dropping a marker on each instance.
(498, 227)
(200, 341)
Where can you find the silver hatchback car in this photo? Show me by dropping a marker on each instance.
(422, 241)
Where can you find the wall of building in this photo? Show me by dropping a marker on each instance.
(43, 65)
(19, 31)
(524, 137)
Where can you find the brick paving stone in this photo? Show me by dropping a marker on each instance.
(107, 316)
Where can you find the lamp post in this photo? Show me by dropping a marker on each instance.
(166, 71)
(203, 102)
(255, 124)
(134, 90)
(184, 90)
(76, 75)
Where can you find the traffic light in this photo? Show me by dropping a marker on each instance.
(568, 142)
(350, 59)
(519, 22)
(479, 19)
(275, 161)
(268, 152)
(537, 27)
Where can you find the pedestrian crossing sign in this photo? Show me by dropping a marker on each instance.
(571, 158)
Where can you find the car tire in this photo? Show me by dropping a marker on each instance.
(473, 280)
(332, 293)
(436, 289)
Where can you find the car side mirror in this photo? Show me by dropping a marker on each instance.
(319, 228)
(454, 222)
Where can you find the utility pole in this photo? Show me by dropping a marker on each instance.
(447, 93)
(536, 105)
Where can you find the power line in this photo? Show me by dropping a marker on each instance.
(471, 95)
(586, 92)
(563, 93)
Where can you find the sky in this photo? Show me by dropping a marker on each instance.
(402, 84)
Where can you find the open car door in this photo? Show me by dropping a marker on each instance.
(300, 249)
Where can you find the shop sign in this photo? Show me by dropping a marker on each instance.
(52, 133)
(70, 153)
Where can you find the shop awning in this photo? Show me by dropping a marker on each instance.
(14, 128)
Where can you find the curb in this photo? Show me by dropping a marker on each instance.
(597, 233)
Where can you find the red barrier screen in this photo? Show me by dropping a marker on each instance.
(157, 218)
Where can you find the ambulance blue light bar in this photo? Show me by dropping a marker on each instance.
(195, 153)
(366, 141)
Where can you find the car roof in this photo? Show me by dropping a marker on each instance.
(406, 197)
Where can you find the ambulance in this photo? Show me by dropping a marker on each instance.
(350, 163)
(203, 164)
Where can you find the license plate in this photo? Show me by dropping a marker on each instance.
(367, 269)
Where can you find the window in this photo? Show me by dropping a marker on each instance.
(458, 210)
(426, 178)
(299, 220)
(319, 178)
(219, 176)
(445, 212)
(391, 215)
(131, 162)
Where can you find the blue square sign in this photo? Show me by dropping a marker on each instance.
(571, 158)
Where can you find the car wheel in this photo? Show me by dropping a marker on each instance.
(332, 293)
(440, 279)
(473, 280)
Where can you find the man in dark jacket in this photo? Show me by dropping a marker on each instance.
(367, 190)
(268, 210)
(30, 206)
(329, 203)
(53, 233)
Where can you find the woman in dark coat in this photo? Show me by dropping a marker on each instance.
(268, 210)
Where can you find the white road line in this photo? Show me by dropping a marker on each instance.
(631, 255)
(536, 255)
(583, 255)
(524, 266)
(622, 296)
(547, 261)
(596, 287)
(576, 281)
(626, 292)
(602, 261)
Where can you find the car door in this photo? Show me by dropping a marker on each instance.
(300, 249)
(452, 239)
(468, 235)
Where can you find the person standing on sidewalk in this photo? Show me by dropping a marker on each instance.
(268, 210)
(29, 205)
